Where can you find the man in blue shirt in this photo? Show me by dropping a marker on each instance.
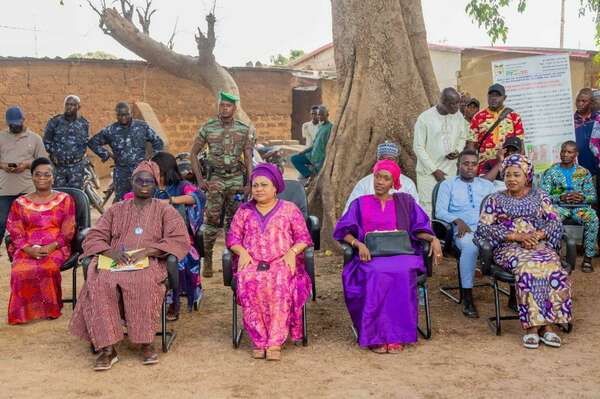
(458, 203)
(66, 140)
(127, 139)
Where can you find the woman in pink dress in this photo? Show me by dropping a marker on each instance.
(268, 237)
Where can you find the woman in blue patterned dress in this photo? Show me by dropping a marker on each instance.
(525, 232)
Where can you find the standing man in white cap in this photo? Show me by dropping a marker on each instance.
(19, 146)
(385, 150)
(440, 133)
(66, 140)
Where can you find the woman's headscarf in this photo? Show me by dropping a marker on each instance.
(272, 173)
(150, 167)
(522, 162)
(391, 167)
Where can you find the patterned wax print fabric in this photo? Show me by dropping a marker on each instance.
(35, 291)
(543, 286)
(272, 299)
(125, 226)
(511, 126)
(557, 181)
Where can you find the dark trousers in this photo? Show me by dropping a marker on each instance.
(5, 204)
(302, 164)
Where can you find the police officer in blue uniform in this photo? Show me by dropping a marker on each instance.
(66, 140)
(127, 140)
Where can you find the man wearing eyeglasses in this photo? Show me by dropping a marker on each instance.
(127, 139)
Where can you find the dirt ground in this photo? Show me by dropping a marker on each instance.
(463, 358)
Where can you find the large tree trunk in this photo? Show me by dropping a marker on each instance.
(202, 69)
(385, 79)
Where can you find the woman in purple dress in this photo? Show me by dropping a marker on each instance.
(525, 232)
(381, 292)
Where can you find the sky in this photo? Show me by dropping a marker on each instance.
(254, 30)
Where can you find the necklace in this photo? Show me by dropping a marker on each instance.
(139, 230)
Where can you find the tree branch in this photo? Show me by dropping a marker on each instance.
(127, 9)
(145, 18)
(171, 42)
(205, 71)
(206, 43)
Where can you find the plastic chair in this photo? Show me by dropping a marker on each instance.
(167, 335)
(443, 231)
(349, 253)
(82, 226)
(498, 275)
(230, 281)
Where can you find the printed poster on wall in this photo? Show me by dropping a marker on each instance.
(539, 89)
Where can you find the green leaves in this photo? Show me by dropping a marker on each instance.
(487, 13)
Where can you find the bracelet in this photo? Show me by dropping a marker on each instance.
(353, 242)
(170, 200)
(294, 250)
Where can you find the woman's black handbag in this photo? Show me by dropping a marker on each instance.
(390, 243)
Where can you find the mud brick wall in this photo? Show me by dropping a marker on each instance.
(40, 85)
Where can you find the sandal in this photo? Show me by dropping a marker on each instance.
(258, 353)
(531, 341)
(274, 353)
(395, 349)
(551, 339)
(379, 349)
(105, 361)
(587, 267)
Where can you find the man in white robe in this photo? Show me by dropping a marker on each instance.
(440, 134)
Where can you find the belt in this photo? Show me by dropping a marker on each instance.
(69, 163)
(226, 171)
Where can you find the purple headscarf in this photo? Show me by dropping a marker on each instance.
(271, 172)
(522, 162)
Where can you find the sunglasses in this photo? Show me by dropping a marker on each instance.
(141, 181)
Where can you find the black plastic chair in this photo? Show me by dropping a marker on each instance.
(82, 226)
(294, 192)
(167, 335)
(498, 275)
(443, 231)
(230, 281)
(349, 253)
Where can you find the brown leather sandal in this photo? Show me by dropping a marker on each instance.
(379, 349)
(258, 353)
(274, 353)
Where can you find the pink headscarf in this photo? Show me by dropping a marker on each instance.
(150, 167)
(391, 167)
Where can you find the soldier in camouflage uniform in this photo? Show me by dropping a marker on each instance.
(228, 140)
(127, 139)
(66, 139)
